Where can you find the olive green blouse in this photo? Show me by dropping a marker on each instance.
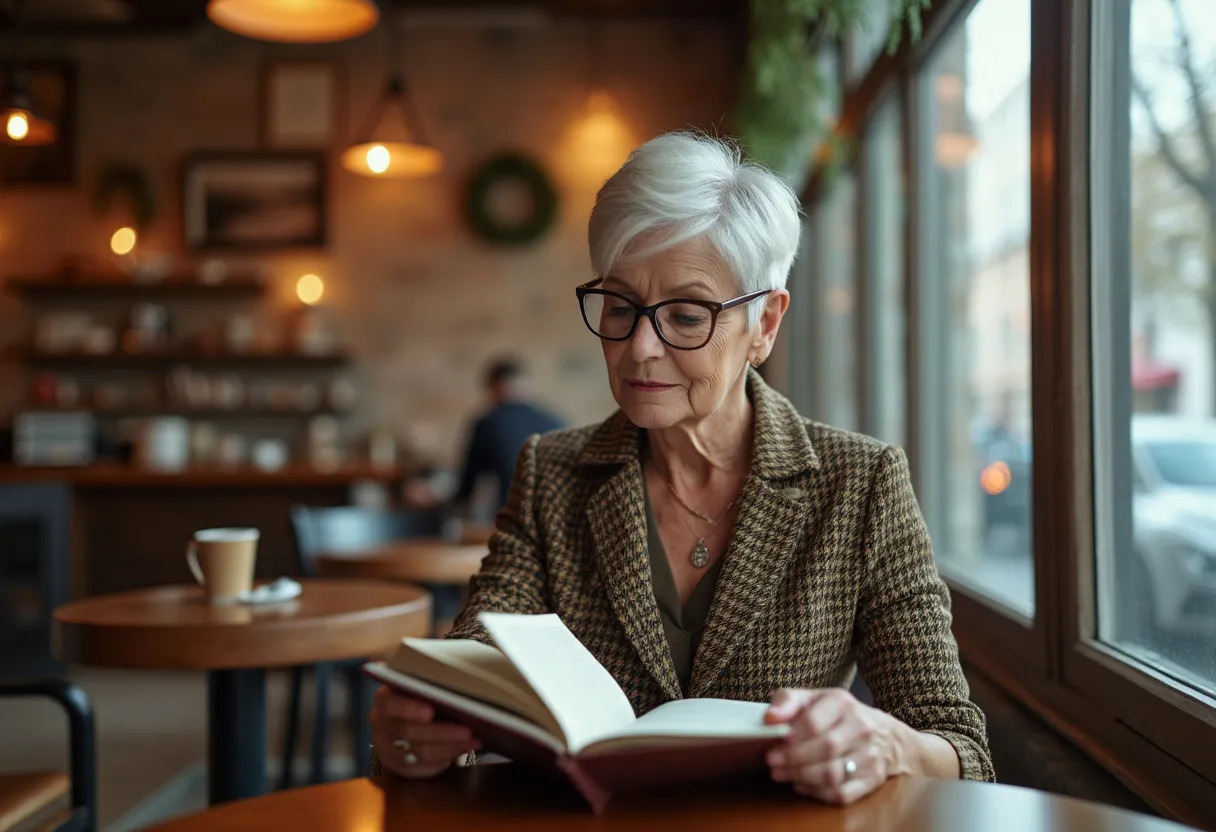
(683, 624)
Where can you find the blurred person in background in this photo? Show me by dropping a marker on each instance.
(494, 443)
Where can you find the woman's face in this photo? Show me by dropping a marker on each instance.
(657, 386)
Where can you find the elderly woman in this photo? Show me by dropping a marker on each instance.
(707, 540)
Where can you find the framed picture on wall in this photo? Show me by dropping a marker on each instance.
(254, 201)
(301, 104)
(52, 90)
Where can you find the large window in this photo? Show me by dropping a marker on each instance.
(869, 39)
(1155, 341)
(795, 359)
(885, 354)
(834, 247)
(1015, 278)
(974, 230)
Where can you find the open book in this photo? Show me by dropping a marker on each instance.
(542, 697)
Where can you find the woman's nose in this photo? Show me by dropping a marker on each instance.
(645, 342)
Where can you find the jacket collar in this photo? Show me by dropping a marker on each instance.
(781, 448)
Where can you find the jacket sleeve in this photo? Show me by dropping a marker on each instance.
(906, 651)
(513, 576)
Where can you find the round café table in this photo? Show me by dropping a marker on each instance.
(509, 798)
(174, 628)
(421, 560)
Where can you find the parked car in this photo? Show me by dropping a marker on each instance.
(1005, 482)
(1165, 582)
(1173, 577)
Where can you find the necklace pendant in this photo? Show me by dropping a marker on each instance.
(700, 554)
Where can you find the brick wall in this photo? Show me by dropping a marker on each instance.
(417, 298)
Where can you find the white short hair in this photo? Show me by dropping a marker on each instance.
(685, 185)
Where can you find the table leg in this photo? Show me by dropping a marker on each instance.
(236, 719)
(362, 689)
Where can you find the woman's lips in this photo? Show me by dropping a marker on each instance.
(650, 386)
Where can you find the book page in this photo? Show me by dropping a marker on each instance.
(582, 696)
(474, 669)
(465, 705)
(692, 720)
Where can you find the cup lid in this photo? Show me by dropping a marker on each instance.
(226, 535)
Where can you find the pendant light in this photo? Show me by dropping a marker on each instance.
(20, 123)
(381, 151)
(295, 21)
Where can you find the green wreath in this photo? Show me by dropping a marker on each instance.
(495, 229)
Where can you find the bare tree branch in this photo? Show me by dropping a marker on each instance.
(1186, 62)
(1194, 180)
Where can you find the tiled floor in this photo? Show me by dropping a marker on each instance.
(151, 728)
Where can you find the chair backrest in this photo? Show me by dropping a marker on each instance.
(343, 528)
(82, 757)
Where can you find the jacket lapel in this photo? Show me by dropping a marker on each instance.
(771, 522)
(617, 516)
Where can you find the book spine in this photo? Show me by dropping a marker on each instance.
(596, 795)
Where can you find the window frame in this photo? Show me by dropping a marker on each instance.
(1175, 724)
(1157, 738)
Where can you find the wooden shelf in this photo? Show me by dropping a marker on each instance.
(59, 289)
(142, 411)
(161, 360)
(114, 475)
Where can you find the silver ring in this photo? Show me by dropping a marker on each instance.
(850, 768)
(407, 756)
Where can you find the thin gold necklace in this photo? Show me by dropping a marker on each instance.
(699, 556)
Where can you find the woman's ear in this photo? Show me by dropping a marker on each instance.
(775, 305)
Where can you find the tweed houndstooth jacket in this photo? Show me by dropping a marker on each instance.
(829, 568)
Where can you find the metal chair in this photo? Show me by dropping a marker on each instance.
(28, 798)
(333, 529)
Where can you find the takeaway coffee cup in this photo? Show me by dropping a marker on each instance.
(222, 561)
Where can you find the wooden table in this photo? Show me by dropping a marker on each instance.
(421, 560)
(174, 628)
(508, 797)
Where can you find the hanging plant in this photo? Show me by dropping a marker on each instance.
(536, 196)
(778, 117)
(125, 180)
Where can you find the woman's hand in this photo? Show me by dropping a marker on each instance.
(838, 750)
(410, 741)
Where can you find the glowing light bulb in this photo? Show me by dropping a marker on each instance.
(996, 478)
(378, 158)
(18, 126)
(123, 240)
(309, 289)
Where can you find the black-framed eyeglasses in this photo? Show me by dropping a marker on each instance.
(681, 323)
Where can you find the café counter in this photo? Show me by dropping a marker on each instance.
(128, 527)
